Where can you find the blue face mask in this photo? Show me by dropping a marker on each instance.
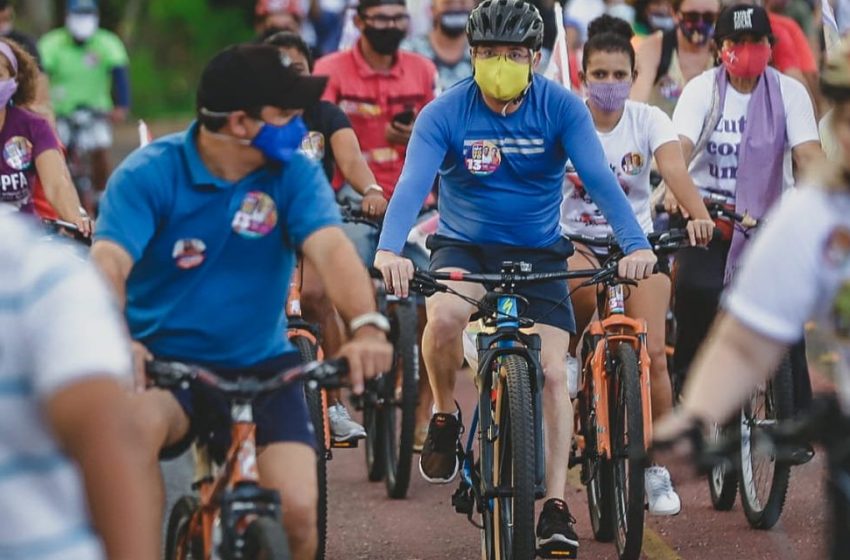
(278, 143)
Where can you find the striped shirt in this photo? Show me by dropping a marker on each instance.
(58, 327)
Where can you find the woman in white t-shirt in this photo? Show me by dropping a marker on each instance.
(795, 271)
(631, 134)
(740, 124)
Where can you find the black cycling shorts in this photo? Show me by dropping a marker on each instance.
(548, 302)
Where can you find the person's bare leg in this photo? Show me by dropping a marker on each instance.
(649, 301)
(557, 408)
(583, 299)
(442, 348)
(162, 422)
(290, 468)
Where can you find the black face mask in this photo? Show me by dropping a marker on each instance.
(453, 24)
(384, 41)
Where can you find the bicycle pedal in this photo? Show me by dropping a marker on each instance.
(557, 550)
(462, 500)
(348, 444)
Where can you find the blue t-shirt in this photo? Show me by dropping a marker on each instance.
(212, 259)
(501, 178)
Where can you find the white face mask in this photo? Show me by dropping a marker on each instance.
(82, 26)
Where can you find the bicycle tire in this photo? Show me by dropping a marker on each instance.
(517, 446)
(627, 449)
(265, 539)
(597, 471)
(398, 444)
(178, 525)
(779, 405)
(316, 407)
(375, 462)
(722, 481)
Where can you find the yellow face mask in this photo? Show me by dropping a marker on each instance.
(501, 78)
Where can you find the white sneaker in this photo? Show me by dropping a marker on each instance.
(343, 428)
(663, 499)
(572, 376)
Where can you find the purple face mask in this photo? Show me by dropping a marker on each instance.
(609, 96)
(7, 90)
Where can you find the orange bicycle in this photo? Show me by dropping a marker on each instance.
(614, 416)
(232, 515)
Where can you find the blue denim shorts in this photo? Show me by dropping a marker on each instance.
(548, 302)
(280, 416)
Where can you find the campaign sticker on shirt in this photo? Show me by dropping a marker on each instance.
(17, 153)
(632, 163)
(256, 217)
(91, 59)
(189, 253)
(313, 145)
(837, 247)
(482, 157)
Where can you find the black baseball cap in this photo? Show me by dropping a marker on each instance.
(245, 77)
(743, 19)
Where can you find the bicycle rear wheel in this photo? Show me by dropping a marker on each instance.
(317, 405)
(509, 516)
(398, 415)
(627, 450)
(764, 482)
(178, 542)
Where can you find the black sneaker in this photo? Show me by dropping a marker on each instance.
(440, 458)
(556, 537)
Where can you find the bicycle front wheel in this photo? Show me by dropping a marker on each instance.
(509, 515)
(398, 417)
(764, 482)
(317, 404)
(627, 450)
(179, 544)
(265, 539)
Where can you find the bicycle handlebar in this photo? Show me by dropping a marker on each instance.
(67, 229)
(174, 374)
(661, 242)
(354, 215)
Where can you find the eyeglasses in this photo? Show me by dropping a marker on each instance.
(518, 55)
(381, 21)
(696, 17)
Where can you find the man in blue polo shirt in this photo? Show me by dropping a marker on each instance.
(198, 233)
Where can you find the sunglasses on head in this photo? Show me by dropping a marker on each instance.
(696, 17)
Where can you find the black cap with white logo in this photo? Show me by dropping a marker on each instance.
(743, 19)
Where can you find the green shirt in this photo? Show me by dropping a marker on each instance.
(81, 75)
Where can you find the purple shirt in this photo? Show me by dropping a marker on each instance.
(24, 136)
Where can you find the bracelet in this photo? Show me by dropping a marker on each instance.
(372, 319)
(373, 187)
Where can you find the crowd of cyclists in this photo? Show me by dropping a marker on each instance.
(364, 108)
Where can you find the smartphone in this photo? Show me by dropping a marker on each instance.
(405, 117)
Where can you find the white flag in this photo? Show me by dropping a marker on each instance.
(559, 65)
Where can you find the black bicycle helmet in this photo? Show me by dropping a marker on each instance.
(507, 22)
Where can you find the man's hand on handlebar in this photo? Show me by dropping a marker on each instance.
(368, 354)
(397, 272)
(700, 232)
(637, 265)
(374, 205)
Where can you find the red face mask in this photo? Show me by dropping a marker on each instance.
(746, 60)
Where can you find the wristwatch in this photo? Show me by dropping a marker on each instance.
(373, 319)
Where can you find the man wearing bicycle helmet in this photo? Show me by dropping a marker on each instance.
(500, 141)
(795, 271)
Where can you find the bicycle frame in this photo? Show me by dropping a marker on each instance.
(232, 495)
(507, 340)
(605, 334)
